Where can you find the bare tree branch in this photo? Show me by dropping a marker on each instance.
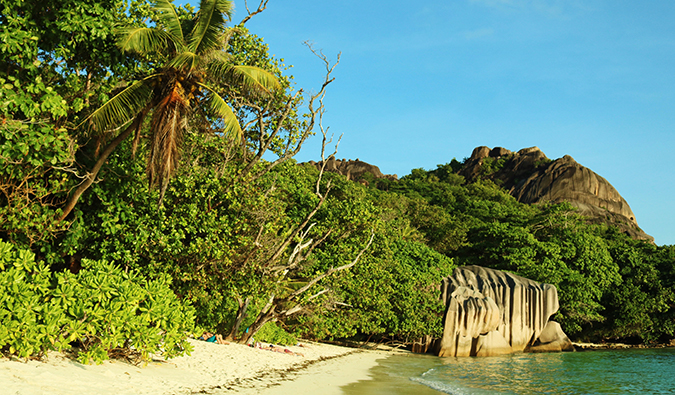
(264, 142)
(261, 7)
(293, 258)
(317, 243)
(297, 230)
(333, 270)
(315, 108)
(269, 313)
(323, 150)
(304, 246)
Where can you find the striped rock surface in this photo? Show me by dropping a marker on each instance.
(491, 312)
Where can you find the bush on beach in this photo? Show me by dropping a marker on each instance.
(273, 333)
(101, 312)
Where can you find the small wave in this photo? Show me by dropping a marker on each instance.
(427, 372)
(442, 387)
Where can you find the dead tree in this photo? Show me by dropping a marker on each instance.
(276, 268)
(285, 306)
(250, 14)
(267, 124)
(280, 306)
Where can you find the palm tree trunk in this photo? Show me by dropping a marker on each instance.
(91, 176)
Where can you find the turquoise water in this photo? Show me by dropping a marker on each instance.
(636, 371)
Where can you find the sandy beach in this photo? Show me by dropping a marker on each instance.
(212, 369)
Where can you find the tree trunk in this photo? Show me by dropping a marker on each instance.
(241, 315)
(262, 319)
(91, 176)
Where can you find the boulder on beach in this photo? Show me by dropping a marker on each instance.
(552, 339)
(491, 312)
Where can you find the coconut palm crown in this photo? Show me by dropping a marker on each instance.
(196, 65)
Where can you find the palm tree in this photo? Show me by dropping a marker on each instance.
(195, 66)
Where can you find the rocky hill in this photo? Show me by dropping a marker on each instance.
(531, 177)
(353, 169)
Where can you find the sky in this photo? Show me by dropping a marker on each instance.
(420, 83)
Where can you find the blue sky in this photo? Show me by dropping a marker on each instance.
(423, 82)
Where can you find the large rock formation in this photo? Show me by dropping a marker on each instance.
(352, 169)
(490, 312)
(531, 177)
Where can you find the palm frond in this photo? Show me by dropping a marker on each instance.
(137, 132)
(170, 20)
(209, 26)
(217, 57)
(251, 79)
(167, 127)
(231, 127)
(123, 106)
(256, 79)
(143, 40)
(188, 61)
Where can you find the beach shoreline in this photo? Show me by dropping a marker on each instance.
(211, 369)
(586, 346)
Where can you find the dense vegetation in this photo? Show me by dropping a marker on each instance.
(122, 233)
(610, 286)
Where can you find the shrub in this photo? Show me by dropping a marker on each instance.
(30, 324)
(104, 310)
(272, 333)
(36, 159)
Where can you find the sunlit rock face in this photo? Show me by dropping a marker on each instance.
(352, 169)
(491, 312)
(531, 177)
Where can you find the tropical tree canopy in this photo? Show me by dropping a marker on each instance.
(192, 65)
(246, 244)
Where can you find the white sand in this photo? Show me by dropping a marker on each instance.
(212, 368)
(324, 377)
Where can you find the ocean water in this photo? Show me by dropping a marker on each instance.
(633, 371)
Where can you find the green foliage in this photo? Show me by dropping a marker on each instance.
(204, 236)
(272, 333)
(448, 172)
(608, 284)
(30, 325)
(58, 56)
(34, 178)
(229, 223)
(393, 293)
(641, 305)
(417, 273)
(565, 255)
(248, 49)
(120, 312)
(108, 312)
(492, 165)
(542, 162)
